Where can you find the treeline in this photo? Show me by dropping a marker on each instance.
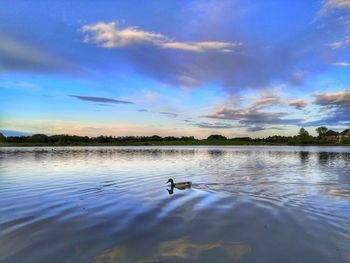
(65, 139)
(303, 138)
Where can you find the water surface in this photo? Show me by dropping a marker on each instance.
(110, 204)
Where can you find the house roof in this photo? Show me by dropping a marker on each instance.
(347, 131)
(331, 133)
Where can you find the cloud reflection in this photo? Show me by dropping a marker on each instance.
(180, 249)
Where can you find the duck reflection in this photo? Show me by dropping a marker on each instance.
(171, 190)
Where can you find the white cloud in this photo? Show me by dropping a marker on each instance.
(330, 4)
(342, 64)
(341, 43)
(109, 35)
(151, 95)
(202, 46)
(16, 84)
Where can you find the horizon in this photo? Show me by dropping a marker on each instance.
(186, 68)
(9, 133)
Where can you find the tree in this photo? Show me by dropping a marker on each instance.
(39, 138)
(2, 137)
(303, 132)
(321, 130)
(216, 137)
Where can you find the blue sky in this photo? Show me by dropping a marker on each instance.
(237, 68)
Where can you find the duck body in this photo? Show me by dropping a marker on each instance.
(181, 185)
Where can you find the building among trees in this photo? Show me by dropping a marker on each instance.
(345, 135)
(331, 135)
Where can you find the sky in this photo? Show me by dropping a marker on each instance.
(174, 68)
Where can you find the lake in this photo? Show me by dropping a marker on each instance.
(111, 204)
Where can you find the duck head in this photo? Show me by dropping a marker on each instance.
(171, 181)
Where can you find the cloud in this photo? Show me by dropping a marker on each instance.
(254, 115)
(335, 106)
(207, 125)
(251, 116)
(142, 110)
(342, 64)
(228, 63)
(99, 99)
(298, 103)
(109, 35)
(15, 84)
(151, 95)
(19, 55)
(265, 102)
(255, 128)
(331, 4)
(341, 12)
(202, 46)
(340, 44)
(171, 114)
(333, 99)
(262, 128)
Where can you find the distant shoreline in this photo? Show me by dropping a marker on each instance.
(169, 143)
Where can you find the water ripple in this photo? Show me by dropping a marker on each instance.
(110, 204)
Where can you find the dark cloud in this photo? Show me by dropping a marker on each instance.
(261, 128)
(19, 55)
(334, 105)
(333, 99)
(278, 128)
(255, 117)
(298, 103)
(174, 115)
(249, 128)
(99, 99)
(252, 117)
(214, 125)
(255, 129)
(142, 110)
(230, 70)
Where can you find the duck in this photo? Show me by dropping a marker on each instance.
(180, 186)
